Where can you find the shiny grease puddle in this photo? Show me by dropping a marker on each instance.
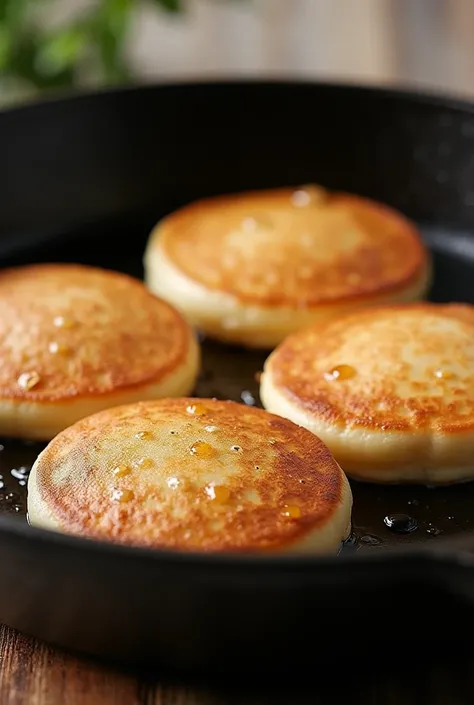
(382, 516)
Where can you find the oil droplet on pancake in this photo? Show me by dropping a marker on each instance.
(307, 195)
(122, 470)
(340, 372)
(144, 463)
(63, 322)
(400, 523)
(144, 435)
(122, 495)
(253, 222)
(249, 224)
(236, 449)
(444, 374)
(58, 348)
(173, 483)
(256, 222)
(204, 450)
(211, 429)
(196, 409)
(292, 511)
(28, 380)
(218, 493)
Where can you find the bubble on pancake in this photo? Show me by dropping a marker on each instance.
(173, 483)
(28, 380)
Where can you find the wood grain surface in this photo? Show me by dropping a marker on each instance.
(32, 673)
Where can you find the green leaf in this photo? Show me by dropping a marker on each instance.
(22, 63)
(110, 29)
(17, 15)
(4, 47)
(61, 51)
(13, 12)
(169, 5)
(116, 14)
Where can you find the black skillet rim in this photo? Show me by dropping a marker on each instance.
(452, 549)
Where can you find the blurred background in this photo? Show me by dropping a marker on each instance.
(51, 45)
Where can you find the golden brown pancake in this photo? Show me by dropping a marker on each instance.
(251, 268)
(75, 340)
(390, 390)
(192, 474)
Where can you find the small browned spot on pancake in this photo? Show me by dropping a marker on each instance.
(397, 353)
(336, 248)
(170, 505)
(117, 335)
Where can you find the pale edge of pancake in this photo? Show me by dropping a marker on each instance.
(380, 456)
(43, 420)
(224, 317)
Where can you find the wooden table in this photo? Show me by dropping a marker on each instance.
(32, 673)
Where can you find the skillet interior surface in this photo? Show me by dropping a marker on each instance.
(84, 180)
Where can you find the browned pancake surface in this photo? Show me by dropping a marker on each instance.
(70, 330)
(294, 247)
(401, 367)
(190, 474)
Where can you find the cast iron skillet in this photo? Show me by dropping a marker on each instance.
(84, 179)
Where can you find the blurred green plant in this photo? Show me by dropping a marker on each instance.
(34, 58)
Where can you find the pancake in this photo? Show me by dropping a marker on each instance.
(252, 268)
(390, 390)
(192, 474)
(75, 340)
